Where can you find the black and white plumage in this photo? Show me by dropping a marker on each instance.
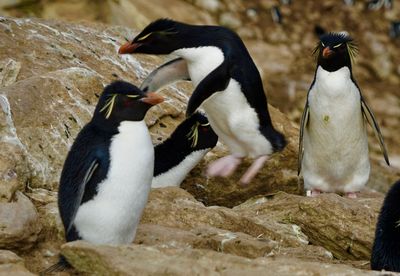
(333, 148)
(378, 4)
(386, 250)
(394, 30)
(107, 174)
(182, 151)
(227, 84)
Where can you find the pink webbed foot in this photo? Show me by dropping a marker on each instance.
(253, 169)
(313, 193)
(351, 195)
(224, 166)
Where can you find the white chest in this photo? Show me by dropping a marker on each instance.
(334, 100)
(131, 161)
(175, 175)
(201, 61)
(121, 197)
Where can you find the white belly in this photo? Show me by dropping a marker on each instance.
(229, 113)
(236, 123)
(335, 140)
(177, 174)
(112, 216)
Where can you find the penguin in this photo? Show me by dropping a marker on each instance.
(227, 85)
(276, 15)
(333, 146)
(378, 4)
(386, 249)
(394, 30)
(108, 171)
(182, 151)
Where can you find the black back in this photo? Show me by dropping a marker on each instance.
(181, 143)
(386, 249)
(165, 36)
(92, 146)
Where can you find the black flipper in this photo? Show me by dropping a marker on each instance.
(374, 124)
(215, 81)
(167, 73)
(75, 194)
(303, 125)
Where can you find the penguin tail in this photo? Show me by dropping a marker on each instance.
(61, 265)
(277, 139)
(386, 249)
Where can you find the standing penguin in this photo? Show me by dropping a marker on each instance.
(333, 148)
(227, 84)
(386, 249)
(107, 175)
(182, 151)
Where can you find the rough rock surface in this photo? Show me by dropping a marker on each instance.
(51, 73)
(133, 260)
(19, 227)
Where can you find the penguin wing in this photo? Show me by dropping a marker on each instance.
(374, 124)
(215, 81)
(75, 201)
(303, 125)
(169, 72)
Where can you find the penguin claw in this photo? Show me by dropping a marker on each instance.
(224, 166)
(253, 169)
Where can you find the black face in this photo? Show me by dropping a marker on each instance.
(162, 36)
(196, 132)
(122, 101)
(335, 50)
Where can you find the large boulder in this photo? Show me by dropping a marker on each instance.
(345, 227)
(19, 226)
(144, 260)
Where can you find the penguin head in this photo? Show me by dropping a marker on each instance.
(335, 50)
(122, 101)
(162, 36)
(195, 133)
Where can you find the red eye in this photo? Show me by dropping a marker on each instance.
(128, 103)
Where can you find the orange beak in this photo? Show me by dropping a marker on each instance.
(128, 48)
(326, 52)
(152, 98)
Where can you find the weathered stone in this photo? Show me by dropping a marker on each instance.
(9, 70)
(14, 270)
(345, 227)
(182, 211)
(229, 20)
(13, 170)
(239, 244)
(134, 260)
(9, 257)
(19, 226)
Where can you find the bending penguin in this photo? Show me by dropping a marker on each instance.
(182, 151)
(333, 147)
(107, 175)
(386, 249)
(227, 84)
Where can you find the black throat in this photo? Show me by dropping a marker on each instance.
(334, 63)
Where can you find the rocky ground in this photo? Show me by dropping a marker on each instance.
(51, 73)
